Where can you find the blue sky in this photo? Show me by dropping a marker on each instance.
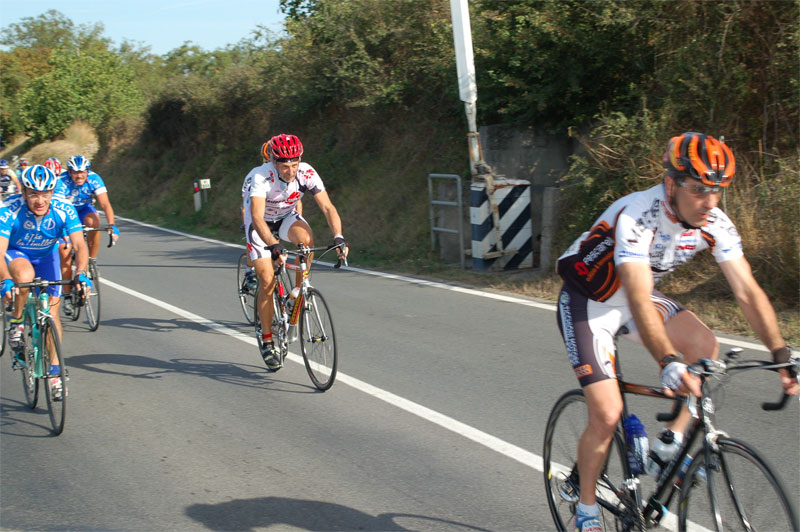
(163, 25)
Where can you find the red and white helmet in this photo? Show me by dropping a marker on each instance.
(54, 165)
(285, 148)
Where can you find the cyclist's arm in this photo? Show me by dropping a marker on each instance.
(17, 184)
(4, 272)
(299, 207)
(637, 281)
(81, 251)
(332, 215)
(105, 204)
(758, 311)
(257, 206)
(330, 212)
(754, 302)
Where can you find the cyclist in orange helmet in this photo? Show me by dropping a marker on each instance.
(610, 273)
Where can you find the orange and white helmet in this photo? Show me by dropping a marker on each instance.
(701, 157)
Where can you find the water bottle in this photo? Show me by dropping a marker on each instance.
(699, 475)
(661, 452)
(636, 438)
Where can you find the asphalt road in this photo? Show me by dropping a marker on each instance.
(435, 422)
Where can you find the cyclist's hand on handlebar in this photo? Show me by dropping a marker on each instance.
(83, 280)
(7, 290)
(675, 377)
(279, 254)
(342, 248)
(114, 232)
(789, 381)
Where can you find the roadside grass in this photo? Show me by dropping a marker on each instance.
(78, 139)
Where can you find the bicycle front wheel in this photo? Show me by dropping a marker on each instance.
(30, 384)
(92, 302)
(317, 340)
(4, 341)
(247, 296)
(55, 388)
(566, 424)
(736, 490)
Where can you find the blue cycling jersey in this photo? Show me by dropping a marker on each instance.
(79, 196)
(36, 235)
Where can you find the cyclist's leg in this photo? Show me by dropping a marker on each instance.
(65, 258)
(295, 229)
(690, 336)
(266, 285)
(90, 218)
(49, 269)
(21, 270)
(262, 261)
(588, 328)
(604, 405)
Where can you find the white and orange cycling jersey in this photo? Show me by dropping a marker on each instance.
(641, 227)
(281, 198)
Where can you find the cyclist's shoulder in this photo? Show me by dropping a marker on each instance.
(95, 179)
(307, 171)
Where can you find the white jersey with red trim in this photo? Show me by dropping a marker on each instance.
(281, 198)
(641, 227)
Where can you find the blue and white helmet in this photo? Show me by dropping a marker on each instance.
(78, 163)
(38, 177)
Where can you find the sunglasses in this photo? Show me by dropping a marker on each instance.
(699, 191)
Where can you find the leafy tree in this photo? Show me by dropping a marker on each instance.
(555, 64)
(96, 88)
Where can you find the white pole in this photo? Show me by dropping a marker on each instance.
(467, 88)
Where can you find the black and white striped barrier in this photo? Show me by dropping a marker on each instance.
(501, 241)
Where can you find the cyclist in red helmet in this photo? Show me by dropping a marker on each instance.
(609, 276)
(271, 206)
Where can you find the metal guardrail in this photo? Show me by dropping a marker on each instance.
(458, 203)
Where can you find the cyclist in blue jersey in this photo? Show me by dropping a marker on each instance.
(30, 226)
(78, 185)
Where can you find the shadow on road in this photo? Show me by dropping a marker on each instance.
(144, 367)
(264, 512)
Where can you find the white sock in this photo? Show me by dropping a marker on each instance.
(588, 510)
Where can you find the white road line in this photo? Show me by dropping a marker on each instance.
(496, 444)
(432, 284)
(493, 443)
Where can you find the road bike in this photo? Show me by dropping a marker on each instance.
(92, 302)
(41, 346)
(727, 485)
(302, 311)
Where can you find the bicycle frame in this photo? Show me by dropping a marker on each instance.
(701, 426)
(37, 310)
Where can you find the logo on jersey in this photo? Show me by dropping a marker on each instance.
(293, 197)
(49, 224)
(29, 225)
(583, 371)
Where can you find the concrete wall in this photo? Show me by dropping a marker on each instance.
(515, 153)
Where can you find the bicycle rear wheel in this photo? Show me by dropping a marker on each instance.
(318, 340)
(92, 302)
(737, 490)
(565, 425)
(247, 296)
(51, 354)
(30, 384)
